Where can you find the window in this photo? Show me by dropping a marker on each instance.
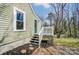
(19, 20)
(35, 26)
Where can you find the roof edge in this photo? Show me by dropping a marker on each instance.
(33, 11)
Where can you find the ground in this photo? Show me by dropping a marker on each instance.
(57, 50)
(62, 46)
(68, 42)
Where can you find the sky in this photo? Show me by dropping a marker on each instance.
(41, 9)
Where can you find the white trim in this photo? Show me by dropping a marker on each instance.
(14, 24)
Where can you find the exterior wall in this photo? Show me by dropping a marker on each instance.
(6, 24)
(35, 17)
(39, 23)
(39, 26)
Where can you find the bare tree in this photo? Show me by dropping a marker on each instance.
(58, 10)
(77, 17)
(67, 16)
(77, 10)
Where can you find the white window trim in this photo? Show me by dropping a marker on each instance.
(24, 21)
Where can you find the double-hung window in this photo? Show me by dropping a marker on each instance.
(19, 20)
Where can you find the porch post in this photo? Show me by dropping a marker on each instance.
(40, 38)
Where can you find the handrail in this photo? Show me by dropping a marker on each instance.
(40, 37)
(40, 31)
(46, 31)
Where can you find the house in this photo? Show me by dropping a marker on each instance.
(18, 23)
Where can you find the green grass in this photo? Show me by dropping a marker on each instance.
(68, 42)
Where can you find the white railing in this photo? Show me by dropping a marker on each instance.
(45, 31)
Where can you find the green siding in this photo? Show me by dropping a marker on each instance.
(6, 22)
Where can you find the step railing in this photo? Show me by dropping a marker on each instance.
(46, 31)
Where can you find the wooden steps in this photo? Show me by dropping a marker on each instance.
(35, 40)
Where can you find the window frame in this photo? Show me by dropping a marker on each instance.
(15, 19)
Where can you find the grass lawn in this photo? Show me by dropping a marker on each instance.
(68, 42)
